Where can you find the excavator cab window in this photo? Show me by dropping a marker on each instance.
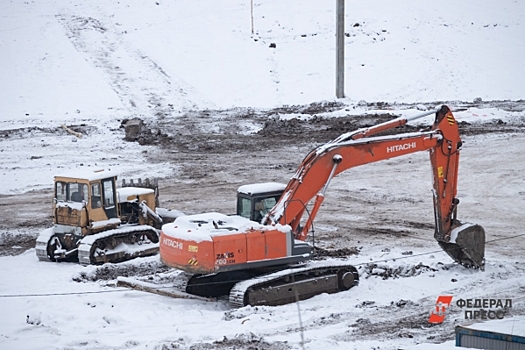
(262, 206)
(255, 208)
(255, 201)
(244, 207)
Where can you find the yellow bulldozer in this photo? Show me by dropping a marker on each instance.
(95, 222)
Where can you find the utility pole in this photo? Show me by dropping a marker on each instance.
(251, 14)
(340, 49)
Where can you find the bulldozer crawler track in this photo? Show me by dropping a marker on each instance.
(41, 251)
(293, 284)
(42, 243)
(118, 245)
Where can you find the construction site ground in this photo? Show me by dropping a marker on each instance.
(382, 213)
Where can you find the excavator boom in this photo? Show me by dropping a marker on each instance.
(223, 250)
(465, 246)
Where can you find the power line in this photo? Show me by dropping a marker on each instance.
(436, 251)
(62, 294)
(504, 238)
(401, 257)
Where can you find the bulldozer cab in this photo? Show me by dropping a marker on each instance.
(255, 201)
(86, 203)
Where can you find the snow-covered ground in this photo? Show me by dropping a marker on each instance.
(94, 64)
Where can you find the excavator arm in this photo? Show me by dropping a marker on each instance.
(463, 242)
(266, 263)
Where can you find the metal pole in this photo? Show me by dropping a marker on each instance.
(340, 49)
(251, 13)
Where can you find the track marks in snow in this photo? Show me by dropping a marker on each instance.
(142, 85)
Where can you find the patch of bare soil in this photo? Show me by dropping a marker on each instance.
(242, 341)
(400, 327)
(338, 253)
(24, 216)
(34, 131)
(16, 243)
(108, 272)
(225, 131)
(386, 272)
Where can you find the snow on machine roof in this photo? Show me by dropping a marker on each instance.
(203, 227)
(87, 174)
(261, 188)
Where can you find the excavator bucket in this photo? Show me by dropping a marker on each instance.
(466, 245)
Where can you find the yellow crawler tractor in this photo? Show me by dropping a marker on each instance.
(95, 223)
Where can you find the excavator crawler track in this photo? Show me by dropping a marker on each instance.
(294, 284)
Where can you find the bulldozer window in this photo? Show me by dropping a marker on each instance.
(66, 191)
(61, 191)
(71, 191)
(109, 198)
(96, 199)
(108, 193)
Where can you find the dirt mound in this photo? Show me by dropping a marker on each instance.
(324, 129)
(242, 341)
(137, 130)
(336, 253)
(250, 130)
(492, 126)
(385, 272)
(312, 108)
(109, 272)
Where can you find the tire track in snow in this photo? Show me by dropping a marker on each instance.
(143, 86)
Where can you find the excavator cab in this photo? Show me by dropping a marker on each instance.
(254, 201)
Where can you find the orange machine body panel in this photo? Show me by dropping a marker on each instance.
(181, 253)
(209, 243)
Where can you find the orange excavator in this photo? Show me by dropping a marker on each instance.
(268, 262)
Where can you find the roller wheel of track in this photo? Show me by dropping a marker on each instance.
(345, 279)
(51, 247)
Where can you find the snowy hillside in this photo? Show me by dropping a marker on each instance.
(88, 59)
